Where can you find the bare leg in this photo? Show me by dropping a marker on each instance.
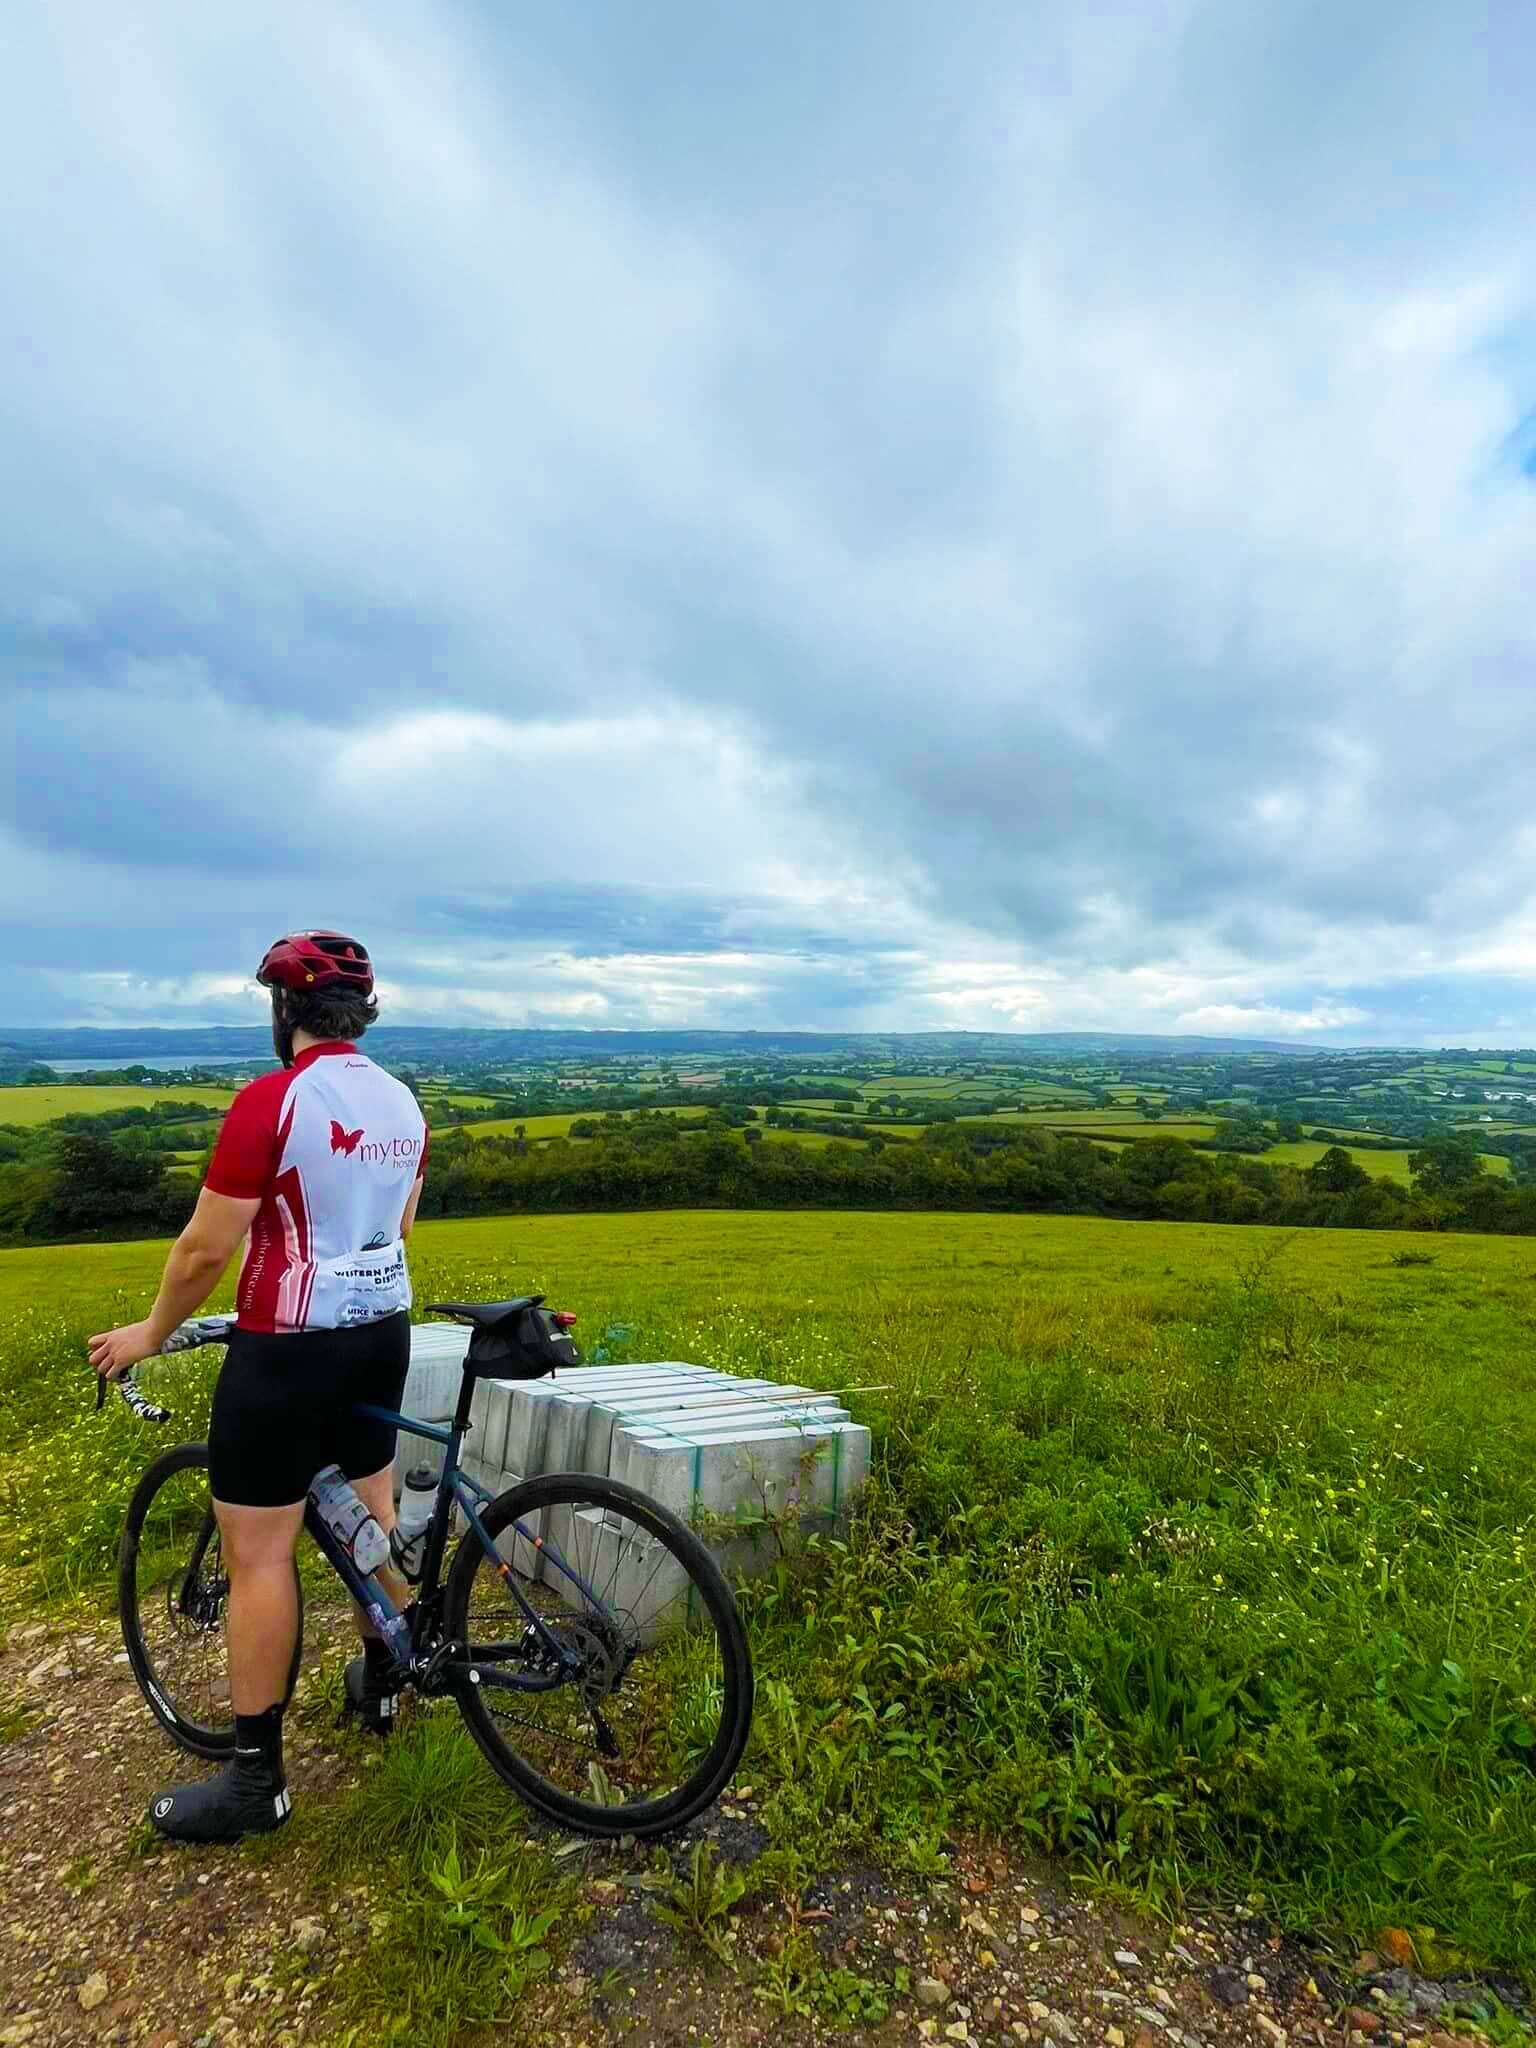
(377, 1493)
(263, 1609)
(250, 1795)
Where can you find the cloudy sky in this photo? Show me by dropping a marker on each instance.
(855, 516)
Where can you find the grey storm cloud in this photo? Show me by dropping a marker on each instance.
(1022, 517)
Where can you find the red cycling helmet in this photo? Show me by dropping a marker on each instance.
(316, 960)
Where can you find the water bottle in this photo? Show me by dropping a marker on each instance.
(418, 1497)
(348, 1520)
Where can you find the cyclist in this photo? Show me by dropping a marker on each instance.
(322, 1165)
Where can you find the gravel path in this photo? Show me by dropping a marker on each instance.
(102, 1943)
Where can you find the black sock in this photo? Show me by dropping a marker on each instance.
(259, 1743)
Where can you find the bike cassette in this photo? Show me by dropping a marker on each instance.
(590, 1651)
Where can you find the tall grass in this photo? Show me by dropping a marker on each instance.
(1195, 1556)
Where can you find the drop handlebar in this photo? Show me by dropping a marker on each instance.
(186, 1336)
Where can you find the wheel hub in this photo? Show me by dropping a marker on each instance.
(202, 1603)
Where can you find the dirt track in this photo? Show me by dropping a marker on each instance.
(171, 1949)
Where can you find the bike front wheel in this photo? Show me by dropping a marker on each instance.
(173, 1600)
(624, 1707)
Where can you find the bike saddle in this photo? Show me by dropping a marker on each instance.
(483, 1315)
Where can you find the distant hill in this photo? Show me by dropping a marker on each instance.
(407, 1042)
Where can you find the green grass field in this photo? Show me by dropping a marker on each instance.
(1388, 1165)
(1195, 1556)
(1136, 1127)
(553, 1126)
(954, 1088)
(558, 1124)
(42, 1105)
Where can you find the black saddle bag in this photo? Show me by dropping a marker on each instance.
(526, 1344)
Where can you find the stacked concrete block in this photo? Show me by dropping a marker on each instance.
(740, 1483)
(781, 1462)
(523, 1427)
(436, 1369)
(714, 1414)
(735, 1458)
(431, 1392)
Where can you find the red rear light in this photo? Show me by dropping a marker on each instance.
(565, 1319)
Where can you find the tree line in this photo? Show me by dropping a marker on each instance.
(90, 1184)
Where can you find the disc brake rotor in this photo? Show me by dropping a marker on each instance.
(201, 1604)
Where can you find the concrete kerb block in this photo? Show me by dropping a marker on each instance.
(579, 1443)
(436, 1370)
(664, 1399)
(518, 1544)
(431, 1392)
(568, 1414)
(529, 1414)
(514, 1543)
(476, 1469)
(495, 1421)
(708, 1428)
(724, 1453)
(808, 1472)
(634, 1575)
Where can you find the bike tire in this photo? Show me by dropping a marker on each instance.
(705, 1783)
(201, 1737)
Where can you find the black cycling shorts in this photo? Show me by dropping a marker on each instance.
(283, 1408)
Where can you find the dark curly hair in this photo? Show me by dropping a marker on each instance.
(327, 1013)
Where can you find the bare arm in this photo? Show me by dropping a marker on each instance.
(410, 1208)
(194, 1268)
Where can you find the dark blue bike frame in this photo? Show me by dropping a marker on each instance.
(471, 1496)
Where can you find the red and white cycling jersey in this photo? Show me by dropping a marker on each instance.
(331, 1147)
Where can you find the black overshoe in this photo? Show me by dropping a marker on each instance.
(372, 1696)
(250, 1795)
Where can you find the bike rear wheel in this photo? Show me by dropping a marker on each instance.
(173, 1597)
(642, 1729)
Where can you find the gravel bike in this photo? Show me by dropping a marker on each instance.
(586, 1635)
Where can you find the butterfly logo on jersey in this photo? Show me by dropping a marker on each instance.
(344, 1141)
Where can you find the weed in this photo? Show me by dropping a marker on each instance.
(427, 1784)
(784, 1978)
(16, 1717)
(1412, 1258)
(849, 2000)
(470, 1908)
(796, 1983)
(463, 1933)
(699, 1905)
(1496, 2024)
(601, 1788)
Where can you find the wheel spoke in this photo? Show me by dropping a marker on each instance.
(175, 1606)
(179, 1602)
(641, 1696)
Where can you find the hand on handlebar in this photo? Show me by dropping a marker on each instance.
(115, 1352)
